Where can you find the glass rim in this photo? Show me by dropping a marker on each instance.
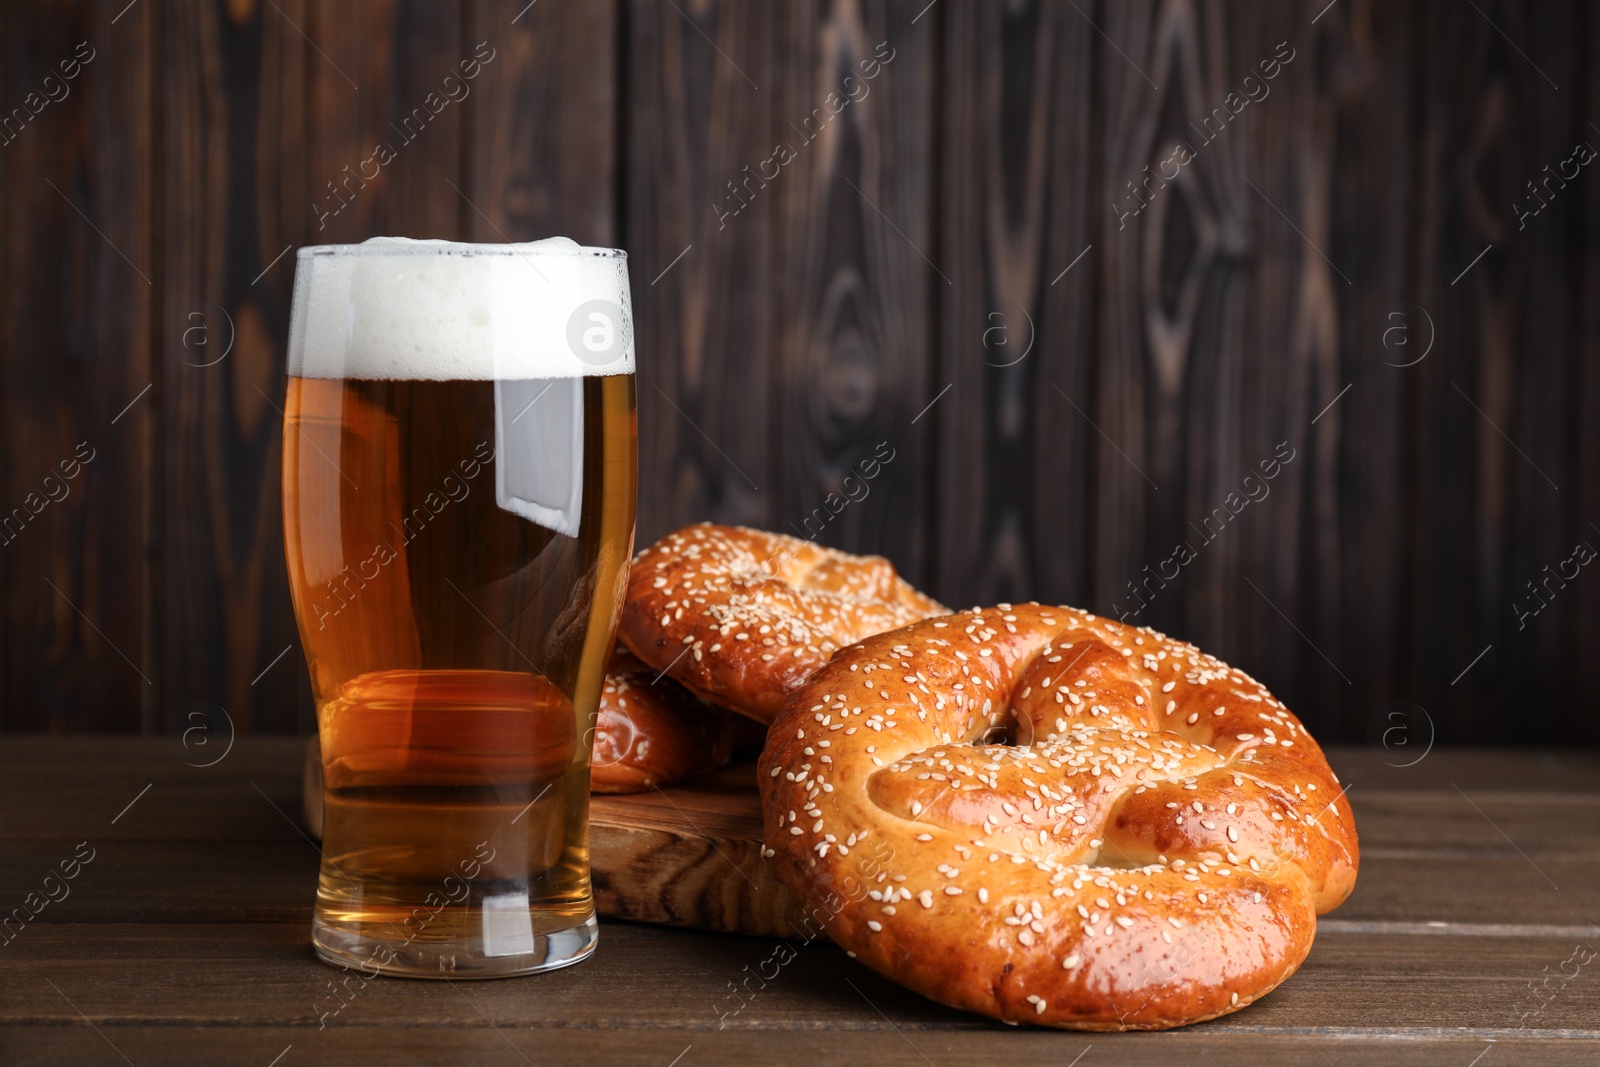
(457, 248)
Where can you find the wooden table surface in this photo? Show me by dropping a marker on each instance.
(1470, 941)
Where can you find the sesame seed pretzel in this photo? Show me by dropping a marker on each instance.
(649, 731)
(1152, 852)
(741, 617)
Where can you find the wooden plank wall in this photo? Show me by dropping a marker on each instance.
(958, 260)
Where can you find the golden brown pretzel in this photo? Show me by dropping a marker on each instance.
(741, 617)
(1155, 855)
(651, 732)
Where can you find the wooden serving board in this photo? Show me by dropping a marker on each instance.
(689, 856)
(685, 856)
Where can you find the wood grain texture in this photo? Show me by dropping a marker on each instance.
(479, 1043)
(700, 249)
(1494, 116)
(380, 79)
(542, 133)
(232, 197)
(818, 312)
(203, 890)
(1585, 398)
(1364, 105)
(1016, 344)
(1218, 333)
(76, 496)
(1450, 840)
(852, 305)
(1477, 983)
(690, 856)
(1525, 524)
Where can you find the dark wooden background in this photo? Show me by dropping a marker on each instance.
(966, 200)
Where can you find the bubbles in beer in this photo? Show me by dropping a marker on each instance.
(397, 309)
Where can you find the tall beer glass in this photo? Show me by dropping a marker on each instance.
(459, 467)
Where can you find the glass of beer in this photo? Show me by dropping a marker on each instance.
(459, 470)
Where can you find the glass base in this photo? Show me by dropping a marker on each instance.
(462, 958)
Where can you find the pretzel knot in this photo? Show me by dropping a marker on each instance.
(741, 617)
(1153, 850)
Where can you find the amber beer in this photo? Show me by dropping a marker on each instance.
(458, 484)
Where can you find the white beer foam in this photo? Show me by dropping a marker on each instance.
(392, 308)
